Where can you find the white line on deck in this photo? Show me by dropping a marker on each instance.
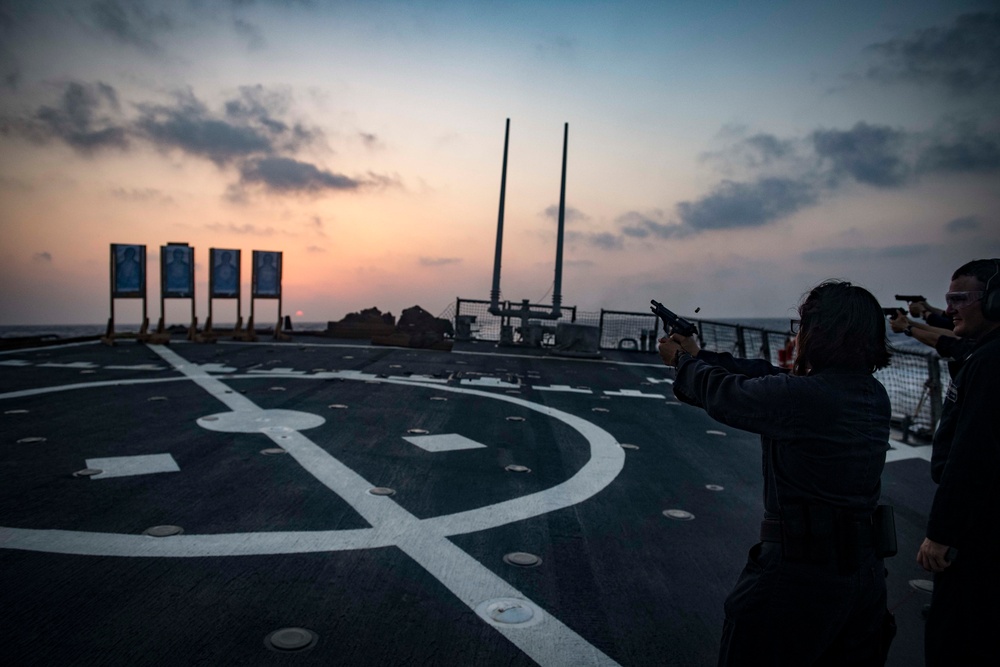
(548, 643)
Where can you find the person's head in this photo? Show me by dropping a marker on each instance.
(966, 293)
(842, 326)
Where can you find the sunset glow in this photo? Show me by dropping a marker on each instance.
(726, 159)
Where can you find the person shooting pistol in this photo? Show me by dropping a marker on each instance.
(824, 428)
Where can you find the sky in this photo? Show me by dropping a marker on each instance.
(725, 156)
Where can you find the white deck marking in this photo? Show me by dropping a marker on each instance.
(547, 643)
(128, 466)
(900, 452)
(278, 371)
(420, 378)
(563, 387)
(23, 393)
(447, 442)
(489, 382)
(261, 421)
(633, 393)
(216, 368)
(72, 364)
(136, 367)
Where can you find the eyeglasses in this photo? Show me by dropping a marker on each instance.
(962, 299)
(794, 326)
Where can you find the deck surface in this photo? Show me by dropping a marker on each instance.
(183, 435)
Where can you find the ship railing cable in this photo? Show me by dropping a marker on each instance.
(913, 379)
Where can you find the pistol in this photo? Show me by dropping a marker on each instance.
(910, 298)
(672, 322)
(893, 313)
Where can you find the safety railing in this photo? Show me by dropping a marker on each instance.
(913, 379)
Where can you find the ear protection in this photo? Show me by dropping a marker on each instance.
(991, 299)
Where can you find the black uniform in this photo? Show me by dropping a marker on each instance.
(962, 627)
(808, 594)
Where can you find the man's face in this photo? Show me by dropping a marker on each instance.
(968, 317)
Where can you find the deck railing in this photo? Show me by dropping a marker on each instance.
(913, 379)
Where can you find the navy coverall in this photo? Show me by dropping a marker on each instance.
(824, 437)
(962, 627)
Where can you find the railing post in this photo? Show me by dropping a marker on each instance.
(741, 345)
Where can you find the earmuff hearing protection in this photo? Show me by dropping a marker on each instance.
(991, 299)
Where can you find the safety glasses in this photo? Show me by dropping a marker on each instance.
(962, 299)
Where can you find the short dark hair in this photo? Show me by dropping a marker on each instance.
(980, 269)
(842, 327)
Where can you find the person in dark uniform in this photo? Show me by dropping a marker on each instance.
(962, 546)
(813, 590)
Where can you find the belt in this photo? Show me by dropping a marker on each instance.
(771, 531)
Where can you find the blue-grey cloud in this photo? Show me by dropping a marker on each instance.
(639, 226)
(251, 33)
(967, 223)
(189, 126)
(44, 256)
(852, 253)
(439, 261)
(964, 56)
(869, 154)
(131, 22)
(602, 240)
(749, 204)
(281, 174)
(571, 214)
(86, 117)
(966, 150)
(606, 241)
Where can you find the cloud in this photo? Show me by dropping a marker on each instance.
(640, 226)
(963, 57)
(251, 33)
(284, 175)
(784, 176)
(86, 117)
(188, 126)
(246, 228)
(841, 254)
(439, 261)
(601, 240)
(142, 195)
(967, 223)
(606, 241)
(315, 249)
(131, 22)
(747, 204)
(571, 214)
(316, 224)
(758, 151)
(961, 150)
(869, 154)
(370, 140)
(43, 256)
